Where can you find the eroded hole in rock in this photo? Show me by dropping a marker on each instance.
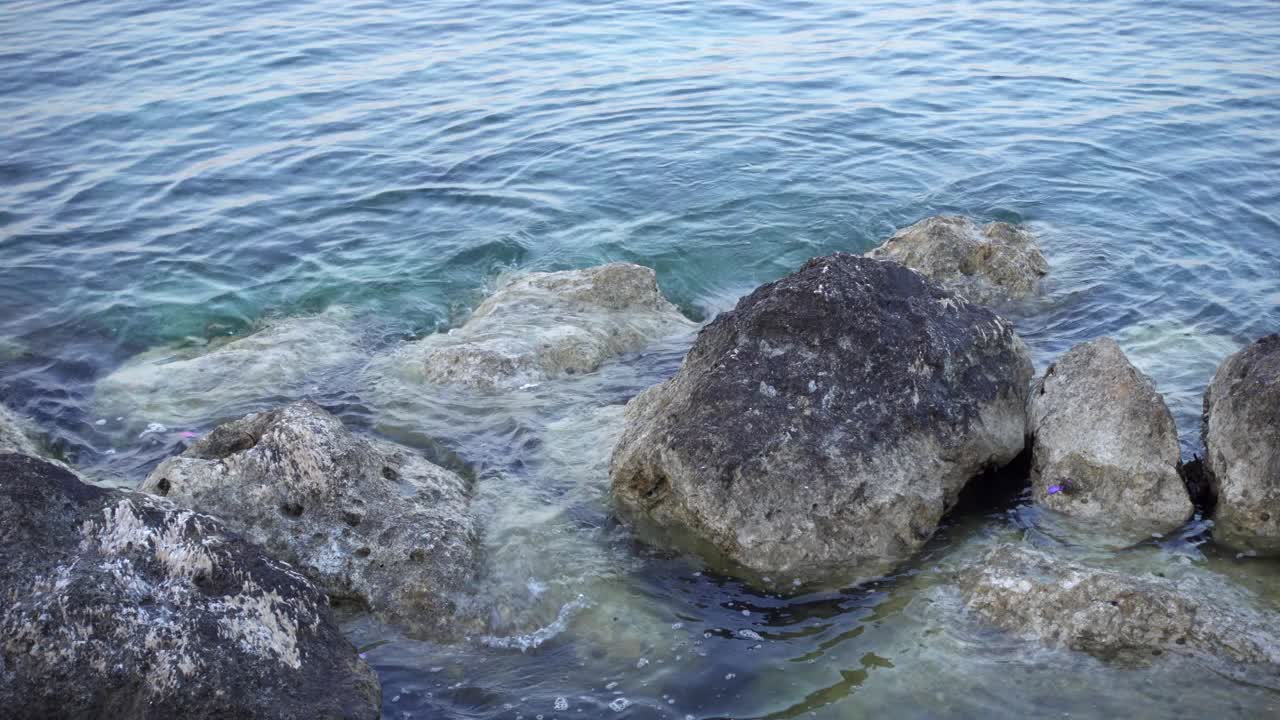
(389, 473)
(163, 487)
(999, 488)
(363, 552)
(418, 555)
(657, 489)
(352, 519)
(292, 509)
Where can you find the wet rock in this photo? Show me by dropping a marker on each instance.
(1105, 445)
(193, 385)
(1119, 616)
(367, 520)
(13, 435)
(119, 604)
(987, 265)
(542, 325)
(1242, 447)
(822, 428)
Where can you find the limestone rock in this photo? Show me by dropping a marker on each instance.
(542, 325)
(820, 430)
(1114, 615)
(191, 386)
(119, 604)
(1242, 447)
(13, 436)
(1106, 443)
(987, 265)
(367, 520)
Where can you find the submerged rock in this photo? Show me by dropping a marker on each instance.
(543, 325)
(13, 436)
(121, 605)
(1105, 445)
(1242, 447)
(822, 428)
(996, 262)
(1118, 616)
(190, 386)
(369, 521)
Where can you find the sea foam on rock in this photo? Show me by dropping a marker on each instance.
(1117, 615)
(13, 434)
(1241, 431)
(119, 604)
(989, 264)
(1106, 447)
(542, 325)
(368, 520)
(193, 385)
(821, 429)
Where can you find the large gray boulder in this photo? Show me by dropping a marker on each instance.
(1105, 445)
(820, 430)
(122, 605)
(543, 325)
(367, 520)
(13, 434)
(1117, 615)
(1241, 431)
(989, 264)
(175, 386)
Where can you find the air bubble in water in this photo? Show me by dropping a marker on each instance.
(619, 705)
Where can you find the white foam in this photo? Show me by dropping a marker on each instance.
(529, 641)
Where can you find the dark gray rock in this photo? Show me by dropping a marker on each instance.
(1105, 440)
(1118, 616)
(122, 605)
(991, 264)
(1241, 431)
(368, 520)
(820, 430)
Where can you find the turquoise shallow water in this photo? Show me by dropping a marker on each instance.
(175, 172)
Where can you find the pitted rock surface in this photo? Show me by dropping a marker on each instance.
(989, 264)
(1241, 431)
(820, 429)
(120, 604)
(367, 520)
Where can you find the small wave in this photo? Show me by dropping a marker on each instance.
(529, 641)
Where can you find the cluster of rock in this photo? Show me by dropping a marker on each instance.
(818, 432)
(208, 594)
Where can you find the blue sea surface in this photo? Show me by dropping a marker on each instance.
(173, 172)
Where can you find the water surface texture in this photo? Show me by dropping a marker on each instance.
(175, 173)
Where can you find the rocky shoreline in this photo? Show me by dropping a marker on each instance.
(815, 435)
